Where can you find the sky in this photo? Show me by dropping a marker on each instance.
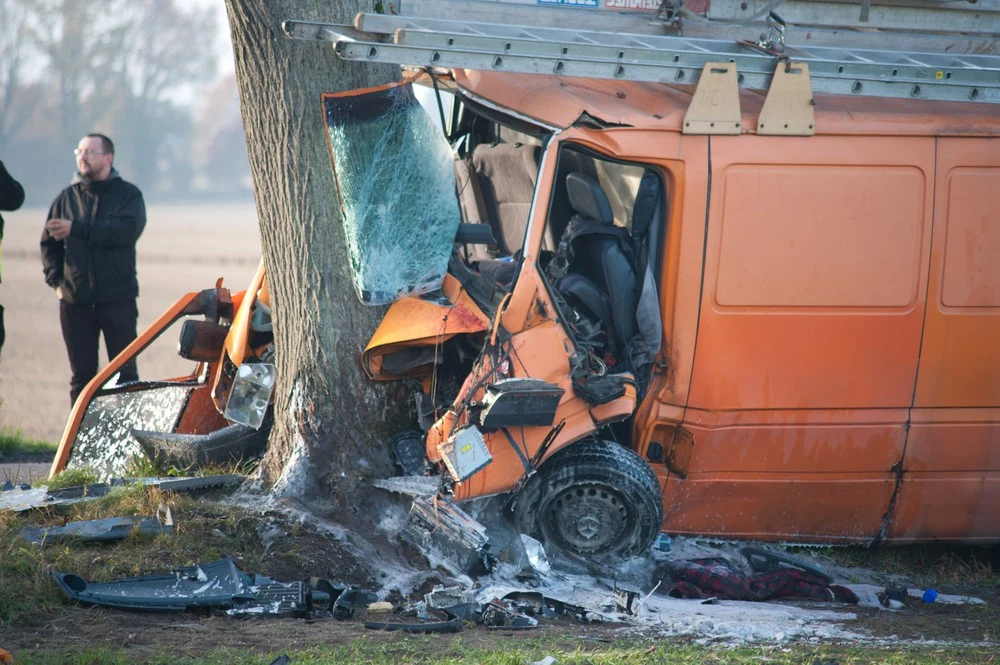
(223, 45)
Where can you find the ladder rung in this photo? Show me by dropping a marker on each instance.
(653, 58)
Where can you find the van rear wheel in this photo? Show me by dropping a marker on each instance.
(593, 498)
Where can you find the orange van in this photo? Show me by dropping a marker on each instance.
(819, 361)
(745, 336)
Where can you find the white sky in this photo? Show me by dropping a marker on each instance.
(223, 46)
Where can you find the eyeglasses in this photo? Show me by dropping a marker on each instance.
(88, 152)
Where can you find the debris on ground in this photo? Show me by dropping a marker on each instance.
(447, 536)
(219, 585)
(105, 530)
(505, 614)
(778, 576)
(230, 445)
(20, 500)
(871, 595)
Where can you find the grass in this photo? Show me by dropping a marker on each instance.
(455, 650)
(13, 443)
(927, 565)
(25, 584)
(73, 478)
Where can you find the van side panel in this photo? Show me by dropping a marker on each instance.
(951, 484)
(809, 335)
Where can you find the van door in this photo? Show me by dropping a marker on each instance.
(951, 480)
(809, 335)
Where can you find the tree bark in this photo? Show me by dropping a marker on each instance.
(332, 424)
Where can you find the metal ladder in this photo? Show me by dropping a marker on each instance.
(672, 59)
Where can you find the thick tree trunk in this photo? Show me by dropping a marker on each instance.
(332, 424)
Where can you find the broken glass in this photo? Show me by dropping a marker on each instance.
(104, 442)
(395, 178)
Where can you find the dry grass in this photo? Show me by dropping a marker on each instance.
(203, 532)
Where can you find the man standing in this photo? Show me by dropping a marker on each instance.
(11, 198)
(88, 255)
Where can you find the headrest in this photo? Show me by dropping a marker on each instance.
(588, 199)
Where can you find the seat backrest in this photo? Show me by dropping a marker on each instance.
(587, 198)
(601, 256)
(507, 173)
(470, 201)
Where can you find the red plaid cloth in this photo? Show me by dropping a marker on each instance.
(703, 578)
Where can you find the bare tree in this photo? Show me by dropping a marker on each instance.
(151, 60)
(13, 15)
(326, 410)
(68, 33)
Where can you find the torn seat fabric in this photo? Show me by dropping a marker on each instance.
(704, 578)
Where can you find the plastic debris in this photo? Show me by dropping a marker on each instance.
(625, 600)
(20, 500)
(930, 595)
(106, 530)
(536, 554)
(503, 614)
(217, 585)
(453, 600)
(452, 625)
(447, 536)
(349, 601)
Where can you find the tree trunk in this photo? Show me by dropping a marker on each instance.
(331, 423)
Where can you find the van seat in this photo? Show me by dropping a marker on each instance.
(506, 174)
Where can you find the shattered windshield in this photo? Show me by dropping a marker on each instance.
(395, 176)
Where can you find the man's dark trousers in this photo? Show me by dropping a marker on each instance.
(81, 325)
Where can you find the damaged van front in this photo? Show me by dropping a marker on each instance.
(532, 356)
(218, 412)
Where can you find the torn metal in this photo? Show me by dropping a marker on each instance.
(447, 536)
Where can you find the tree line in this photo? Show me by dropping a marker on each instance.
(144, 72)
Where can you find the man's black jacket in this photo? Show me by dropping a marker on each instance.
(95, 264)
(11, 194)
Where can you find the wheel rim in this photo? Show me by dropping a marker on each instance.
(587, 518)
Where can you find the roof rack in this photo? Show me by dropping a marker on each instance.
(647, 46)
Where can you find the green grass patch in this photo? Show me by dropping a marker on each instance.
(203, 532)
(13, 443)
(74, 478)
(456, 650)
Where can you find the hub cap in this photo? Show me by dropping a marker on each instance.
(587, 518)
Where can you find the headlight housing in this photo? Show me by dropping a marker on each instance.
(250, 394)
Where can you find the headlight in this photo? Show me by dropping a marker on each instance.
(250, 394)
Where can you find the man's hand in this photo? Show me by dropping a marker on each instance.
(59, 293)
(58, 228)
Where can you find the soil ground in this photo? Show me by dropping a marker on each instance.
(284, 548)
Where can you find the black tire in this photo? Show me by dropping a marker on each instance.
(592, 499)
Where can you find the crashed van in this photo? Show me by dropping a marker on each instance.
(641, 329)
